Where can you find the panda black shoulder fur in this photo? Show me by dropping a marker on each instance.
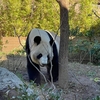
(41, 49)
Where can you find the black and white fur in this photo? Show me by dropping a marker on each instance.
(41, 49)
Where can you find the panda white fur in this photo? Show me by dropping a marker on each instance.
(41, 49)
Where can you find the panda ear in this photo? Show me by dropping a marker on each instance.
(37, 40)
(51, 42)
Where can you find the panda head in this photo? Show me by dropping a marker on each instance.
(41, 51)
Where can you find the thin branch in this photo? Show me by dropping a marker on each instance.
(18, 37)
(37, 69)
(81, 59)
(58, 31)
(95, 14)
(23, 29)
(52, 76)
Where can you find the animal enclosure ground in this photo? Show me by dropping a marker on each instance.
(84, 80)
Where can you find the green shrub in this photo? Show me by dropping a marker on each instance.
(48, 93)
(85, 47)
(96, 98)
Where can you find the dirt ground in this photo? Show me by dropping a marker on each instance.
(84, 79)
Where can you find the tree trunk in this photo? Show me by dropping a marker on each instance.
(64, 37)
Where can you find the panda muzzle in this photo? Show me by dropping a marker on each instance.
(43, 61)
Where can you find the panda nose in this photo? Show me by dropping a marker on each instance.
(39, 56)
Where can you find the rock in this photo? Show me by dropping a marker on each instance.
(8, 84)
(8, 80)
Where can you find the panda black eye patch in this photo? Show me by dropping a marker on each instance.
(37, 39)
(39, 56)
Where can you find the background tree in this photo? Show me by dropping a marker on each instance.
(27, 14)
(23, 15)
(82, 11)
(15, 14)
(64, 37)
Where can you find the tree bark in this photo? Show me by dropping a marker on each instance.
(64, 37)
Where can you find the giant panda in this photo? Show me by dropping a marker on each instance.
(41, 50)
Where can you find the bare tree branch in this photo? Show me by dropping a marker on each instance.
(18, 37)
(23, 30)
(95, 14)
(37, 69)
